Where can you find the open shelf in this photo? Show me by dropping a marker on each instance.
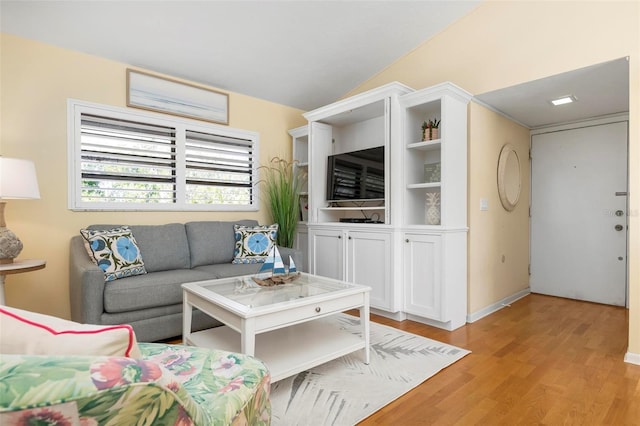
(290, 350)
(425, 145)
(424, 185)
(351, 208)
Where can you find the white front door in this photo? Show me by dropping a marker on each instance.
(579, 213)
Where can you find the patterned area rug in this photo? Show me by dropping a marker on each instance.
(345, 391)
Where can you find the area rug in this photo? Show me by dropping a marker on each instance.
(345, 391)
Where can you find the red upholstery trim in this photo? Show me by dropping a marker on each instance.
(54, 332)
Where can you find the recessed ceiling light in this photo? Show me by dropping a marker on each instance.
(564, 100)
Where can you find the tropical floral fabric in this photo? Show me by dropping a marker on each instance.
(253, 243)
(115, 251)
(170, 385)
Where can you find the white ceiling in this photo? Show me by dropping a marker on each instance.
(601, 89)
(304, 54)
(300, 53)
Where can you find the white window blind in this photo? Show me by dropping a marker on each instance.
(127, 162)
(219, 169)
(124, 160)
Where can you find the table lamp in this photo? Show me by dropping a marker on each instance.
(17, 181)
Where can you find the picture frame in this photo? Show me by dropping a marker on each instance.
(160, 94)
(432, 172)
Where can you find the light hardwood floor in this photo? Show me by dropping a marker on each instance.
(544, 360)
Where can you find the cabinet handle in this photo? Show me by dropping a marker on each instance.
(349, 236)
(339, 237)
(318, 309)
(406, 241)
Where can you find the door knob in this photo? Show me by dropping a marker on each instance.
(619, 227)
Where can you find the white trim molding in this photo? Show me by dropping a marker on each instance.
(632, 358)
(475, 316)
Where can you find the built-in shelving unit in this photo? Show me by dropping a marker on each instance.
(434, 207)
(415, 264)
(437, 167)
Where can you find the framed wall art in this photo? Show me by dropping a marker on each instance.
(150, 92)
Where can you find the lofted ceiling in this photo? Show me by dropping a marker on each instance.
(300, 53)
(303, 54)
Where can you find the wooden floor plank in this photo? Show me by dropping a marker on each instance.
(544, 360)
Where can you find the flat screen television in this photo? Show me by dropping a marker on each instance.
(356, 175)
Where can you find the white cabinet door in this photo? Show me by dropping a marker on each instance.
(422, 275)
(326, 257)
(368, 263)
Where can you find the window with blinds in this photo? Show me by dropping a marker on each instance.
(218, 169)
(126, 160)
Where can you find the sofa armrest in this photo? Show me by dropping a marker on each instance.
(86, 285)
(296, 254)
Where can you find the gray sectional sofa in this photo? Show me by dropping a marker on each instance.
(173, 254)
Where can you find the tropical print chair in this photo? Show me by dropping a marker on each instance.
(168, 385)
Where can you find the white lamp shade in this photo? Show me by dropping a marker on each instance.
(18, 179)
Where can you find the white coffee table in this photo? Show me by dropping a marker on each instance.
(286, 326)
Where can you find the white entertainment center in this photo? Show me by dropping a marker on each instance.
(414, 260)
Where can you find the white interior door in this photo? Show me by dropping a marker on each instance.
(579, 213)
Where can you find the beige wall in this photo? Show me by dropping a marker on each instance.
(498, 239)
(503, 43)
(36, 80)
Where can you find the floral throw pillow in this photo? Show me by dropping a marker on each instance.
(115, 251)
(253, 243)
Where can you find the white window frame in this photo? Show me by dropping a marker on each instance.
(75, 109)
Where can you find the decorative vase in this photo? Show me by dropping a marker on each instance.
(430, 133)
(432, 208)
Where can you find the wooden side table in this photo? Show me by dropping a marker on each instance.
(18, 267)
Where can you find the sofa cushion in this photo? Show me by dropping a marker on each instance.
(253, 243)
(30, 333)
(149, 291)
(163, 247)
(212, 242)
(115, 251)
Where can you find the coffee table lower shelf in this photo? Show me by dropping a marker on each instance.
(289, 350)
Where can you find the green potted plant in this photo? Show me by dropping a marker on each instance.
(283, 183)
(430, 129)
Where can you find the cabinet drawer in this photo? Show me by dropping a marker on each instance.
(287, 317)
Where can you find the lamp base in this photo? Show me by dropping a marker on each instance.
(10, 245)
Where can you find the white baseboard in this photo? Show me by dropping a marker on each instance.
(398, 316)
(475, 316)
(632, 358)
(448, 325)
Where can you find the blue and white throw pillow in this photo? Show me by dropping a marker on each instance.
(253, 243)
(115, 251)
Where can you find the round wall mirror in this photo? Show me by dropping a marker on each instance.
(509, 177)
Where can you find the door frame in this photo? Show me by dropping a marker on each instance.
(609, 119)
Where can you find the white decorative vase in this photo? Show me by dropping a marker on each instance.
(432, 208)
